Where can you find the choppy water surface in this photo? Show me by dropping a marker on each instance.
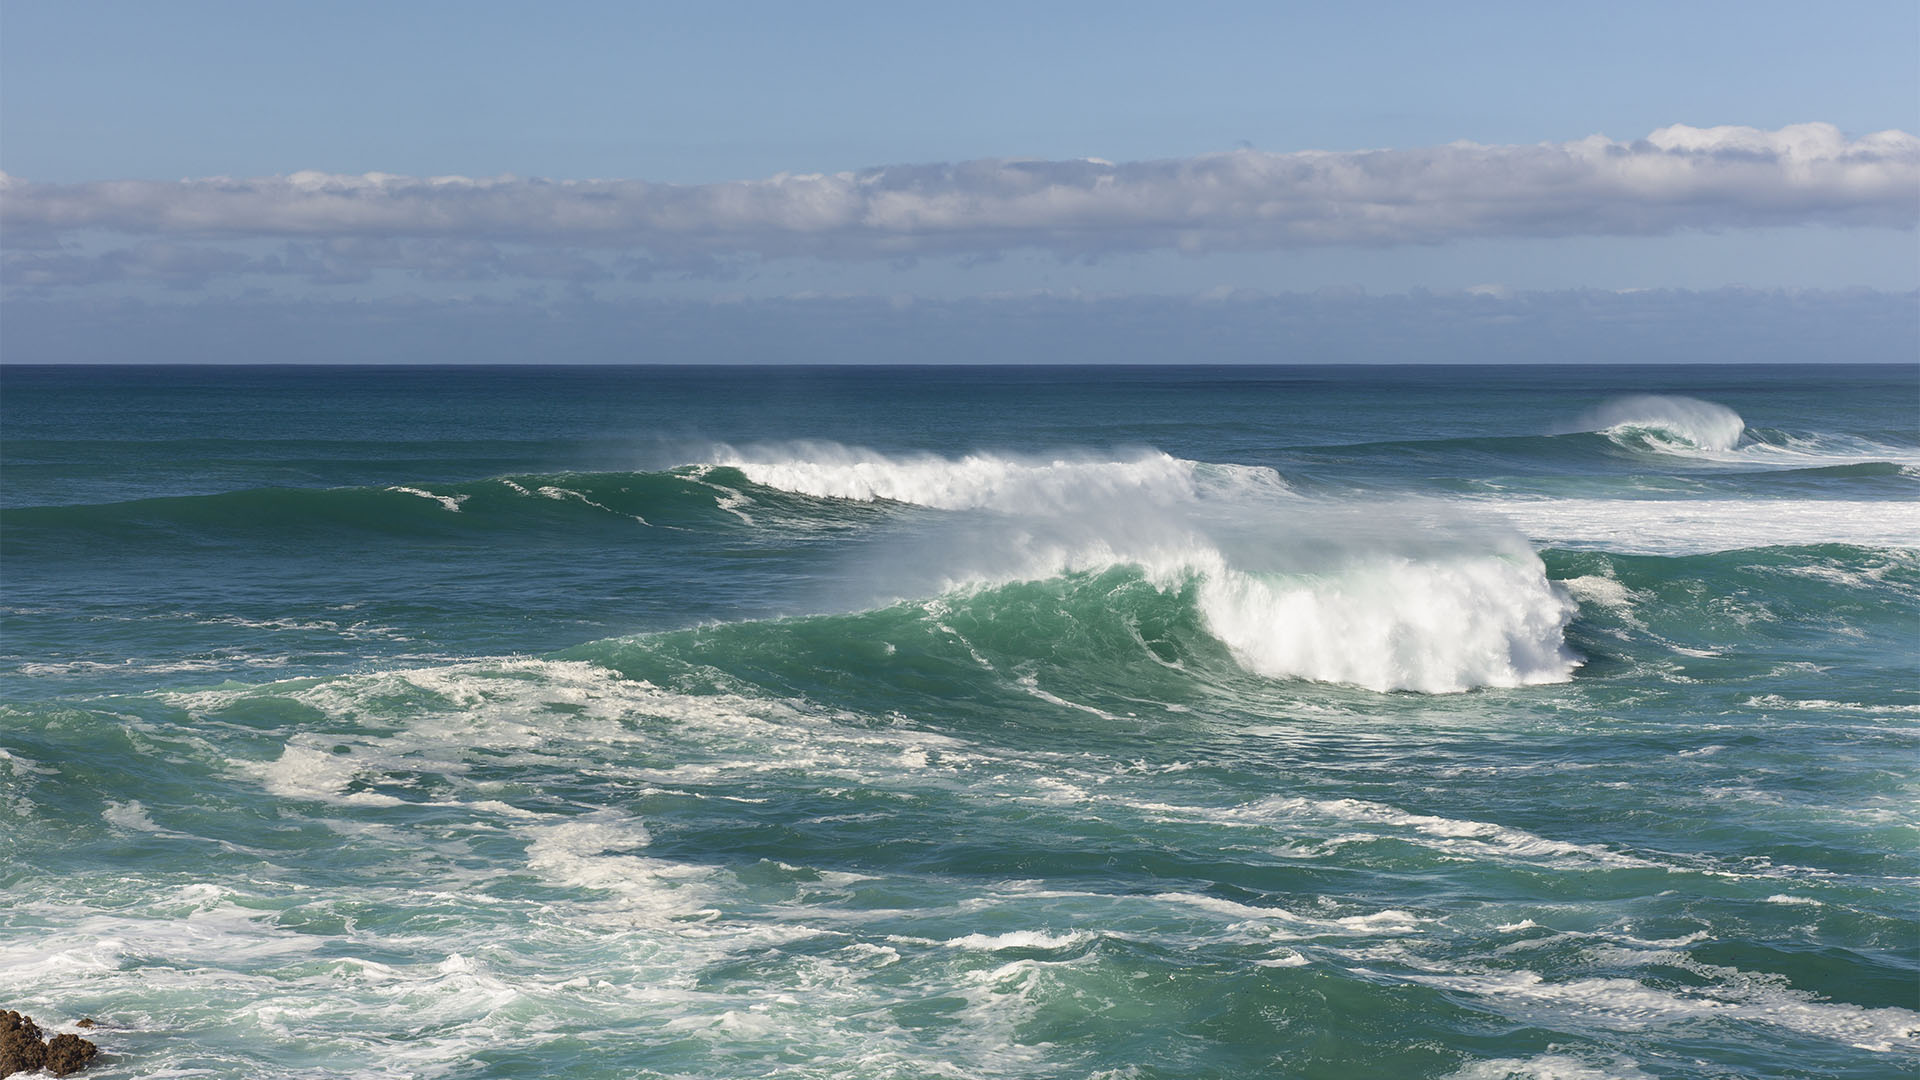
(1293, 722)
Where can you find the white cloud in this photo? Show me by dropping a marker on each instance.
(1677, 178)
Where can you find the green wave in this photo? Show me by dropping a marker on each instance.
(1105, 636)
(1119, 643)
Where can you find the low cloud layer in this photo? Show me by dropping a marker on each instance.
(1677, 178)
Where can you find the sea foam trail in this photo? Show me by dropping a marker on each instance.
(1386, 596)
(1702, 526)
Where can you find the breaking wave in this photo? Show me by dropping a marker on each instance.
(1385, 596)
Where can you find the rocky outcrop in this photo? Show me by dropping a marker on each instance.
(20, 1047)
(23, 1050)
(69, 1054)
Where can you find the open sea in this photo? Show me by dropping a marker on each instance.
(1178, 722)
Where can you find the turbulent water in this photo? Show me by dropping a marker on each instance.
(1071, 722)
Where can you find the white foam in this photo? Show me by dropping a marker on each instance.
(311, 772)
(560, 494)
(1624, 1004)
(1280, 922)
(1819, 451)
(450, 502)
(1436, 625)
(596, 852)
(1020, 939)
(1285, 958)
(731, 500)
(527, 711)
(1481, 838)
(129, 815)
(1553, 1066)
(1777, 701)
(224, 659)
(1606, 592)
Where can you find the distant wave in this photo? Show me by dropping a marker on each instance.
(1708, 431)
(1672, 424)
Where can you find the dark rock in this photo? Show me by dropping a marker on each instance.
(85, 1023)
(21, 1049)
(69, 1054)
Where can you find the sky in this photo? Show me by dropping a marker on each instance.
(437, 182)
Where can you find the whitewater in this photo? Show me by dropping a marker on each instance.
(1145, 722)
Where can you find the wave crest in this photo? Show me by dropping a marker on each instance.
(981, 480)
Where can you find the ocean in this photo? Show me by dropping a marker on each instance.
(645, 722)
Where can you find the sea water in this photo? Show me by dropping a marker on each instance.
(986, 722)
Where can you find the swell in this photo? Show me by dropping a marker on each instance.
(805, 486)
(697, 496)
(1790, 581)
(811, 485)
(1130, 643)
(1765, 450)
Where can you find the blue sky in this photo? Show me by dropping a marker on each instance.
(691, 93)
(959, 136)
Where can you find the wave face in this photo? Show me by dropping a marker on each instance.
(990, 723)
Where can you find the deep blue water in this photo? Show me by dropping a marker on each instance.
(981, 722)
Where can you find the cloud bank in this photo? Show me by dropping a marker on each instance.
(1675, 179)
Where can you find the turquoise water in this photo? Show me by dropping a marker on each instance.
(1064, 722)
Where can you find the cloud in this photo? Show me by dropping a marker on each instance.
(348, 259)
(335, 261)
(179, 266)
(1677, 178)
